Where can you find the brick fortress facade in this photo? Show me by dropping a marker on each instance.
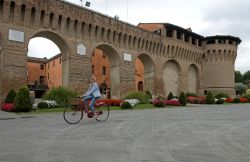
(174, 59)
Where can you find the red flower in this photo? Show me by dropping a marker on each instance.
(172, 102)
(110, 102)
(9, 107)
(229, 100)
(243, 100)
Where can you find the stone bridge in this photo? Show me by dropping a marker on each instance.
(175, 59)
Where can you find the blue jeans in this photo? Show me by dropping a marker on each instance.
(92, 103)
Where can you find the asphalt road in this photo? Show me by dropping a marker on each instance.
(197, 133)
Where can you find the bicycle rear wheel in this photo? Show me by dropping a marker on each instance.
(103, 113)
(73, 115)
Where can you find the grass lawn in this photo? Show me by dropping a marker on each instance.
(60, 110)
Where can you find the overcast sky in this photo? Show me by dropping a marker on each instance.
(205, 17)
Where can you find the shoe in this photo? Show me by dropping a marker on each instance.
(90, 114)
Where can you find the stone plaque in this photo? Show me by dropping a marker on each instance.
(81, 49)
(127, 57)
(15, 35)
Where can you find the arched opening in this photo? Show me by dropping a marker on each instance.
(1, 8)
(145, 73)
(192, 79)
(171, 77)
(105, 66)
(46, 67)
(140, 86)
(12, 10)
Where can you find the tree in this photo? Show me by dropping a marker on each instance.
(170, 96)
(10, 96)
(183, 99)
(246, 76)
(210, 98)
(240, 88)
(22, 101)
(238, 77)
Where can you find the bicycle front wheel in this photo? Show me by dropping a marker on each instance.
(72, 115)
(102, 113)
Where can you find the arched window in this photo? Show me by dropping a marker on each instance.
(22, 13)
(140, 86)
(12, 10)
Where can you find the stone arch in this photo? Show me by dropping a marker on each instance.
(172, 77)
(148, 76)
(114, 60)
(64, 48)
(193, 78)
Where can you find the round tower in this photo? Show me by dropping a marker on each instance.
(218, 64)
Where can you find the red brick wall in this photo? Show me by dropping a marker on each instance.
(99, 62)
(54, 72)
(139, 72)
(34, 72)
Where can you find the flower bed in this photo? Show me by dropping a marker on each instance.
(9, 107)
(174, 102)
(244, 100)
(110, 102)
(158, 103)
(196, 100)
(229, 100)
(133, 102)
(162, 103)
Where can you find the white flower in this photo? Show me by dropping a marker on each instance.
(51, 103)
(133, 102)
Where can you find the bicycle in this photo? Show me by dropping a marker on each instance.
(74, 113)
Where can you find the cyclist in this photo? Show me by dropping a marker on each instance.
(92, 94)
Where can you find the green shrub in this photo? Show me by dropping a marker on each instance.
(61, 95)
(148, 93)
(42, 105)
(182, 99)
(221, 95)
(142, 97)
(190, 94)
(220, 101)
(170, 96)
(10, 97)
(126, 105)
(236, 100)
(246, 96)
(22, 101)
(210, 98)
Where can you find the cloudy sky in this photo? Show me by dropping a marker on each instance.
(205, 17)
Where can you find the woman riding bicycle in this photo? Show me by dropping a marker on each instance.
(92, 94)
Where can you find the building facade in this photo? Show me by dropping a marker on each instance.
(174, 59)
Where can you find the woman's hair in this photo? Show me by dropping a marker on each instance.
(93, 77)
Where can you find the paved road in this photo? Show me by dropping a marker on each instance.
(190, 134)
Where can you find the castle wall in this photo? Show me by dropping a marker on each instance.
(69, 25)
